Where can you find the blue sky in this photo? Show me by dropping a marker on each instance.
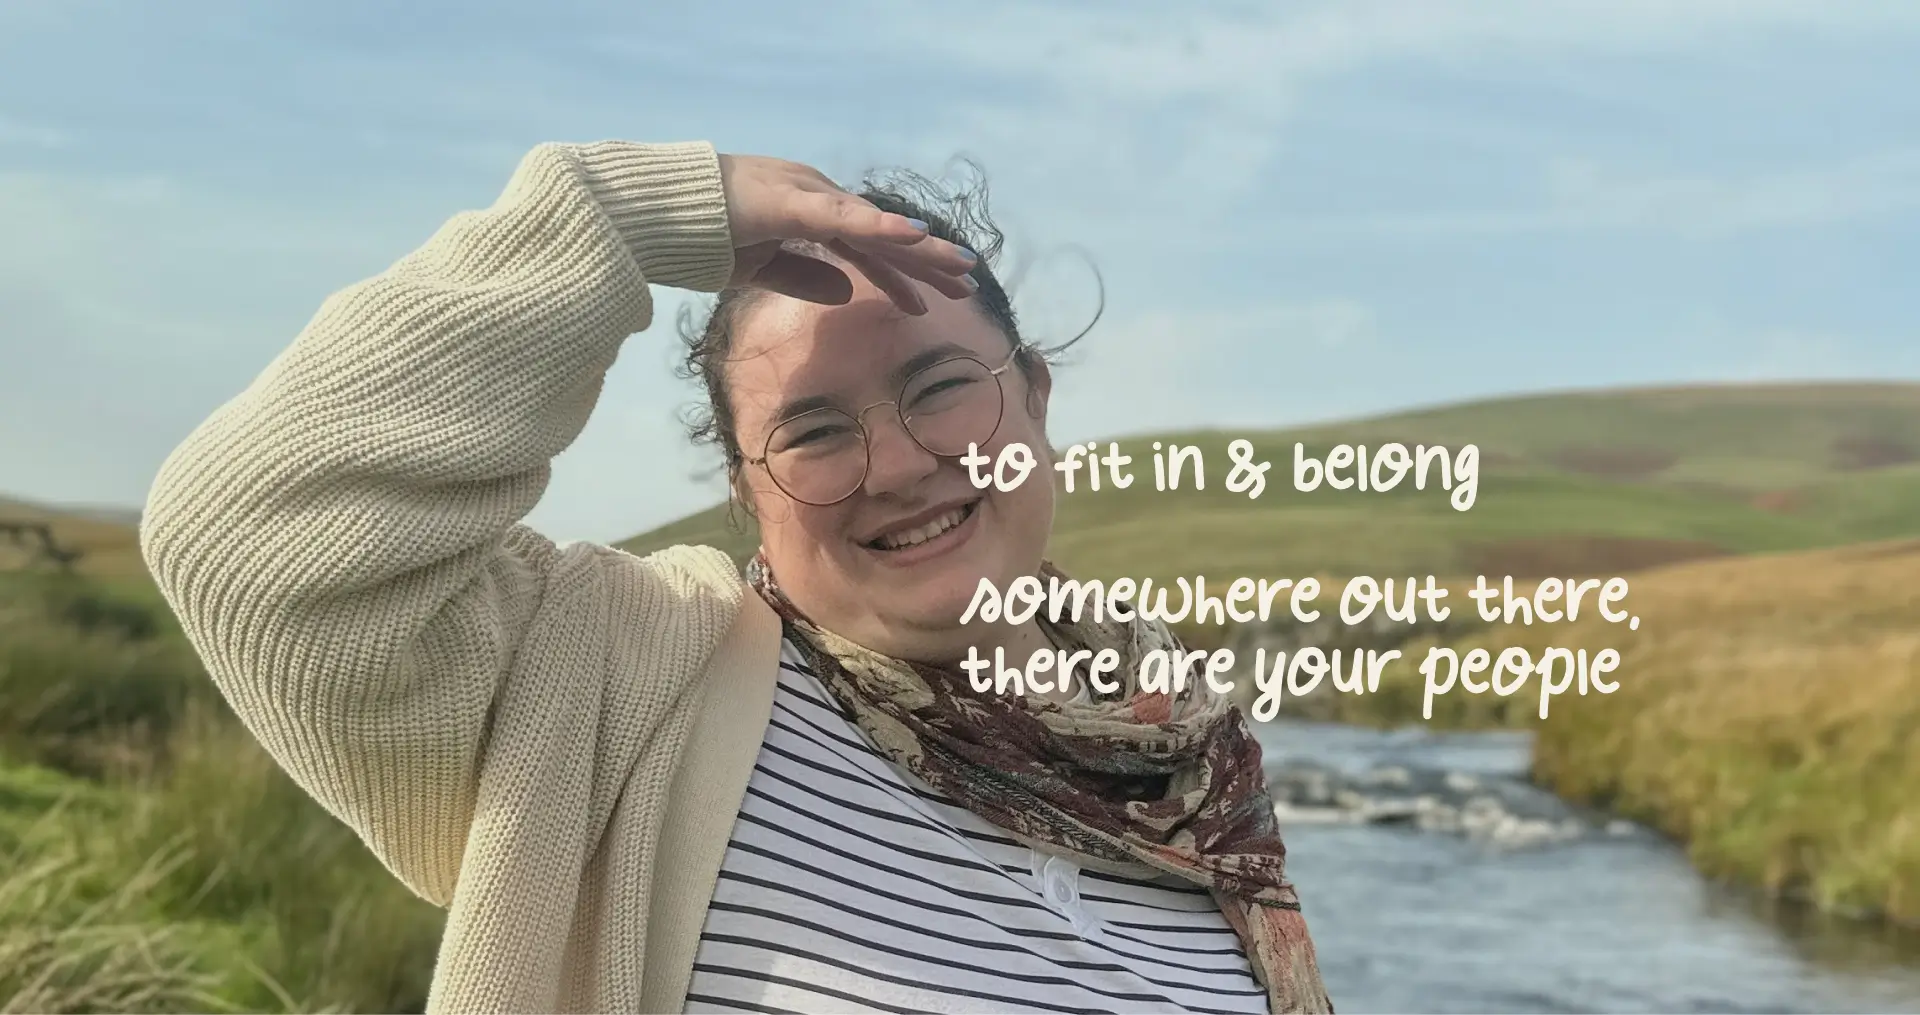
(1301, 211)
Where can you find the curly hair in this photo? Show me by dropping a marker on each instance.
(957, 214)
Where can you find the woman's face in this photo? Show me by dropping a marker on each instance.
(843, 564)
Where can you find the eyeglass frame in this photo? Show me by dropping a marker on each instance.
(866, 436)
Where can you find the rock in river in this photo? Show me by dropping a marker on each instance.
(1504, 813)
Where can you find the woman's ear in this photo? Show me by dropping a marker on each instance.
(738, 492)
(744, 493)
(1039, 388)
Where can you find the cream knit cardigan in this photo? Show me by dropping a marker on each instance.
(553, 741)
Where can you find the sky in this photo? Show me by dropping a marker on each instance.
(1299, 211)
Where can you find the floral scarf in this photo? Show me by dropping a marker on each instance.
(1131, 783)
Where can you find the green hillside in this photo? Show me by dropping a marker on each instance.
(1587, 481)
(157, 859)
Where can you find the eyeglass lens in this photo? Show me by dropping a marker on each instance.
(821, 457)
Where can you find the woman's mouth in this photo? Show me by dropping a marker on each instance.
(929, 539)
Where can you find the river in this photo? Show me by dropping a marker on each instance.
(1436, 879)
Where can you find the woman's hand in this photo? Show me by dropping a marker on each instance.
(771, 200)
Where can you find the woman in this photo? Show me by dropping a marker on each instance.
(655, 784)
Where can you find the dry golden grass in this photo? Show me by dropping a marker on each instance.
(1768, 715)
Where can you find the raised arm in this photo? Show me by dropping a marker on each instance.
(343, 541)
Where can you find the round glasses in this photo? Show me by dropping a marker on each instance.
(821, 456)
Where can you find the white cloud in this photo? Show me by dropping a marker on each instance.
(1331, 324)
(1586, 194)
(1793, 354)
(1246, 364)
(1580, 194)
(1145, 131)
(1717, 345)
(1169, 114)
(23, 134)
(1248, 55)
(140, 261)
(132, 305)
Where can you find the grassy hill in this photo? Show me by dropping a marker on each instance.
(1768, 720)
(108, 540)
(1580, 481)
(1767, 710)
(1765, 717)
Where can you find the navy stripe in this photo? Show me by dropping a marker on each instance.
(850, 883)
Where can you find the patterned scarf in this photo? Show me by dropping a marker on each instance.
(1131, 783)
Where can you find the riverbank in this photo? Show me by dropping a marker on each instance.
(1767, 717)
(1533, 905)
(156, 859)
(1770, 719)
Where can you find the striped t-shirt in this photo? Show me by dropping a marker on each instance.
(850, 885)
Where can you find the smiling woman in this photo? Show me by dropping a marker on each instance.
(658, 784)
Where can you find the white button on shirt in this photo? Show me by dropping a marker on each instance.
(1059, 879)
(850, 885)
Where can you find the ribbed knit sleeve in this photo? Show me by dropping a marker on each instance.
(343, 541)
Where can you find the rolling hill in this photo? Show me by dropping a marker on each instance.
(106, 539)
(1766, 716)
(1586, 481)
(1767, 719)
(1578, 481)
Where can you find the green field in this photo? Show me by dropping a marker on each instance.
(1585, 481)
(157, 860)
(152, 856)
(1750, 517)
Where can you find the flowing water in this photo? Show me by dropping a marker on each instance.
(1436, 879)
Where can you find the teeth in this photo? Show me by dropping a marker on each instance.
(902, 540)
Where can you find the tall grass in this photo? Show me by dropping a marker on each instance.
(92, 678)
(67, 946)
(1768, 716)
(325, 921)
(156, 858)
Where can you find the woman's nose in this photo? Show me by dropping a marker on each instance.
(897, 463)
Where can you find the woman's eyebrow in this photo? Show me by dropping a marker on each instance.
(898, 375)
(925, 358)
(804, 404)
